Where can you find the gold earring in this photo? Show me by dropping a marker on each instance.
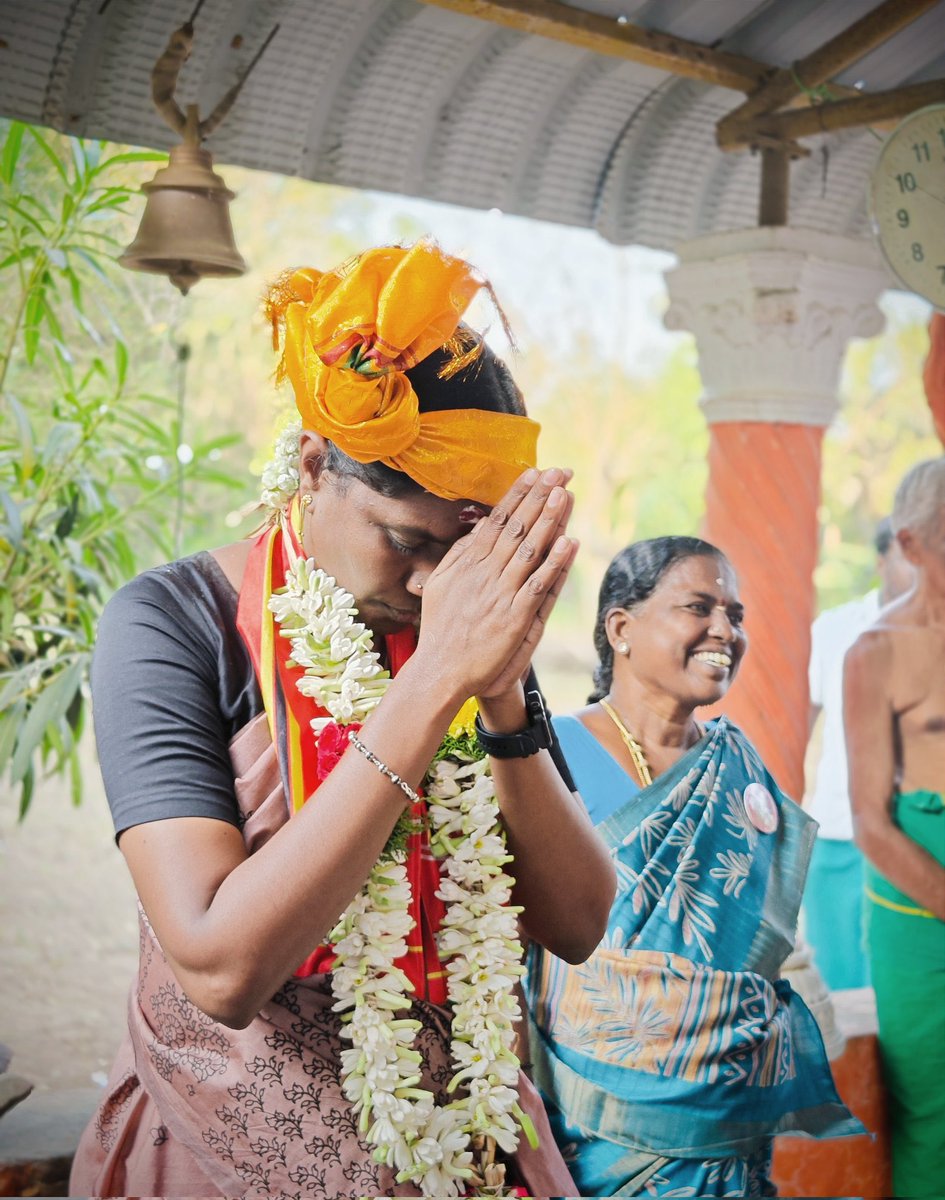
(304, 502)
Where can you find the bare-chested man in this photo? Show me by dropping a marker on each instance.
(894, 711)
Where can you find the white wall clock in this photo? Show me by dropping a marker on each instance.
(907, 202)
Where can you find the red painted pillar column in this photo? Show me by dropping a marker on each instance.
(772, 310)
(934, 374)
(761, 509)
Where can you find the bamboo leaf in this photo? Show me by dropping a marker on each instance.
(75, 286)
(92, 333)
(77, 148)
(62, 440)
(28, 218)
(75, 779)
(17, 256)
(26, 792)
(49, 707)
(9, 724)
(121, 364)
(90, 261)
(15, 687)
(93, 155)
(11, 151)
(52, 321)
(32, 321)
(40, 139)
(109, 202)
(14, 522)
(44, 212)
(140, 424)
(26, 446)
(7, 613)
(133, 156)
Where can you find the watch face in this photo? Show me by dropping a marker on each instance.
(908, 202)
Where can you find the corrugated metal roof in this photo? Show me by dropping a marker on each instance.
(400, 96)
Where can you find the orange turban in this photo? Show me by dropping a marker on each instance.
(349, 337)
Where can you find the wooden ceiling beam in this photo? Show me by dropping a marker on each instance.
(867, 109)
(756, 122)
(603, 35)
(848, 47)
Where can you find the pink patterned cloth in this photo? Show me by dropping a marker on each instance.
(193, 1108)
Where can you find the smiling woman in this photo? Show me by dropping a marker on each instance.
(672, 1057)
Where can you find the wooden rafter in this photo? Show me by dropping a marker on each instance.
(867, 109)
(738, 128)
(590, 31)
(778, 109)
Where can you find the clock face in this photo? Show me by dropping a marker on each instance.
(907, 197)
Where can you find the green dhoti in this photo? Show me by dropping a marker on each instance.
(907, 955)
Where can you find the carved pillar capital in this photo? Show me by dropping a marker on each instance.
(773, 310)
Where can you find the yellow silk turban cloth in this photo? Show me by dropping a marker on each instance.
(351, 334)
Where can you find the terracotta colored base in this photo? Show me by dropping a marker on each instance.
(761, 510)
(857, 1166)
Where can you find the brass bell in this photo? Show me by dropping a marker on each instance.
(185, 232)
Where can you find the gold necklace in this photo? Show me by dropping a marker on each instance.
(636, 750)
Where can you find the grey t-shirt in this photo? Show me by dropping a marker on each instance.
(172, 683)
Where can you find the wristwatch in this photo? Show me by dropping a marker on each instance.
(534, 737)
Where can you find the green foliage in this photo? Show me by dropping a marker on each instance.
(91, 474)
(638, 449)
(884, 427)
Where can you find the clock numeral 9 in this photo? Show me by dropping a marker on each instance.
(902, 216)
(918, 253)
(906, 182)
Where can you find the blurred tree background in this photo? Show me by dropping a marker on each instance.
(133, 419)
(884, 427)
(93, 465)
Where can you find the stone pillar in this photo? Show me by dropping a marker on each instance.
(772, 310)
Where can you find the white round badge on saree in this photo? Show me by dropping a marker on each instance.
(761, 808)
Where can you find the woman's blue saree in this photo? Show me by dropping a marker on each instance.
(674, 1054)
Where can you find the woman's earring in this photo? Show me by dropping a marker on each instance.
(623, 648)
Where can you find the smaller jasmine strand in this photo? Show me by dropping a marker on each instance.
(280, 475)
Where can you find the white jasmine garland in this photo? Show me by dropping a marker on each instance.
(422, 1142)
(280, 476)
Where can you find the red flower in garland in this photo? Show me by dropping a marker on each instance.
(332, 743)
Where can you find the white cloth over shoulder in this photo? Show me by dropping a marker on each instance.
(832, 635)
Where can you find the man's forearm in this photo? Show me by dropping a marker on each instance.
(564, 875)
(904, 864)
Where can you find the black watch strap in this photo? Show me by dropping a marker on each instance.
(534, 737)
